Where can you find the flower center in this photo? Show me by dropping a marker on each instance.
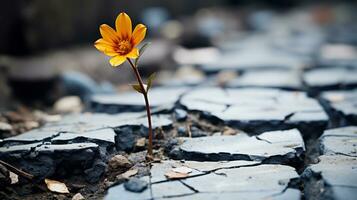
(123, 47)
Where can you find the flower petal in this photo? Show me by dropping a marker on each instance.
(108, 33)
(134, 53)
(117, 60)
(105, 47)
(123, 25)
(138, 34)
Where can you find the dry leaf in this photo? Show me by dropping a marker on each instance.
(182, 170)
(140, 142)
(129, 173)
(175, 175)
(14, 178)
(56, 186)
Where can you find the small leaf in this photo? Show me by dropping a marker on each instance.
(150, 79)
(137, 87)
(141, 51)
(56, 186)
(175, 175)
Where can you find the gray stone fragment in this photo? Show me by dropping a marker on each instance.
(339, 174)
(133, 101)
(291, 194)
(105, 135)
(255, 110)
(268, 179)
(341, 105)
(260, 57)
(135, 185)
(286, 79)
(161, 190)
(88, 121)
(45, 159)
(321, 79)
(20, 148)
(340, 141)
(272, 147)
(34, 135)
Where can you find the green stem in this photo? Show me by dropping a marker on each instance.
(147, 105)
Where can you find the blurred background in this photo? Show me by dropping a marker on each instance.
(46, 47)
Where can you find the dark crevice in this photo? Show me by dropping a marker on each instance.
(175, 196)
(261, 139)
(188, 186)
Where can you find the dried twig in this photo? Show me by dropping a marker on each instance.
(17, 171)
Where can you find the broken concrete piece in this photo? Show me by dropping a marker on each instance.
(340, 141)
(135, 185)
(119, 161)
(133, 102)
(339, 174)
(269, 147)
(332, 78)
(256, 110)
(238, 182)
(341, 106)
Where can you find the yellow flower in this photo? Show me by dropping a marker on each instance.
(120, 44)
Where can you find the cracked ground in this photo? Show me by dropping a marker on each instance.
(284, 127)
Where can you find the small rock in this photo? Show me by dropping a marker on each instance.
(119, 161)
(69, 104)
(135, 185)
(5, 127)
(78, 196)
(31, 125)
(137, 157)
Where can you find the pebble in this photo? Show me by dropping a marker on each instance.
(69, 104)
(5, 127)
(135, 185)
(119, 161)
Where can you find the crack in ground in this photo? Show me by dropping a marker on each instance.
(189, 187)
(261, 139)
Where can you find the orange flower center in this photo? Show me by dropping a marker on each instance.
(123, 47)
